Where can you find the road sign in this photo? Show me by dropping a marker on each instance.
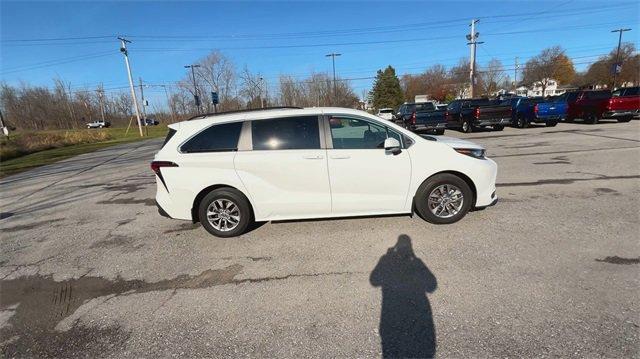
(214, 98)
(616, 68)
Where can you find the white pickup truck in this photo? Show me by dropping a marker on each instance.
(98, 124)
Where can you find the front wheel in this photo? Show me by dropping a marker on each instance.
(551, 124)
(439, 132)
(625, 119)
(225, 212)
(444, 198)
(498, 127)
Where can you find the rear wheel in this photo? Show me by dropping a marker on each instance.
(466, 127)
(625, 119)
(498, 127)
(444, 198)
(225, 212)
(439, 132)
(521, 122)
(551, 123)
(592, 118)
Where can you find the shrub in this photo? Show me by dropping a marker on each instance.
(23, 144)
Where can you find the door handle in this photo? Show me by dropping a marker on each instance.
(312, 157)
(340, 157)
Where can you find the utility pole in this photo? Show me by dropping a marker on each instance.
(472, 38)
(144, 111)
(123, 49)
(260, 87)
(617, 65)
(196, 98)
(100, 92)
(515, 76)
(333, 60)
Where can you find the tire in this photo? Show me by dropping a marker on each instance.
(220, 199)
(439, 132)
(498, 127)
(521, 122)
(433, 187)
(466, 127)
(592, 119)
(551, 124)
(625, 119)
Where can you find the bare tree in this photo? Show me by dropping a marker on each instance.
(491, 77)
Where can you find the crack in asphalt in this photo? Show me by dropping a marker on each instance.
(564, 181)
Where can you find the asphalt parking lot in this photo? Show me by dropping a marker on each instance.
(89, 268)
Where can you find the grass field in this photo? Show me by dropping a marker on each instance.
(22, 151)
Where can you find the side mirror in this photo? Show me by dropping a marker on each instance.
(392, 145)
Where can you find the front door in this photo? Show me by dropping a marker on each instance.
(286, 173)
(365, 179)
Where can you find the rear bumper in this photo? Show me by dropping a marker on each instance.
(620, 113)
(429, 126)
(493, 121)
(161, 211)
(547, 118)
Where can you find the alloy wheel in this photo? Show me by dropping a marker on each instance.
(223, 215)
(445, 201)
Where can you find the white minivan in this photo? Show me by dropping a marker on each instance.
(227, 170)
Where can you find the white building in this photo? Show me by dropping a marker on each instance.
(552, 89)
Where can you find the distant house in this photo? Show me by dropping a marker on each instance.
(552, 89)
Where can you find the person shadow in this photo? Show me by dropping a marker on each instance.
(406, 321)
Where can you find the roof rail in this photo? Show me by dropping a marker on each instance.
(240, 111)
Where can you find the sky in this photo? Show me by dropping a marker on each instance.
(76, 41)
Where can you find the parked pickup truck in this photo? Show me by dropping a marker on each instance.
(526, 110)
(588, 105)
(624, 104)
(98, 124)
(470, 114)
(422, 116)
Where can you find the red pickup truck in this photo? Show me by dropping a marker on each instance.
(588, 105)
(624, 104)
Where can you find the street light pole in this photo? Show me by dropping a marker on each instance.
(333, 60)
(196, 99)
(123, 49)
(472, 38)
(615, 69)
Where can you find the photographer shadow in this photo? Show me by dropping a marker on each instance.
(406, 321)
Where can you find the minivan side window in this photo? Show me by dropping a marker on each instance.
(290, 133)
(217, 138)
(352, 133)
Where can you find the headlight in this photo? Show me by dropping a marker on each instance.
(473, 152)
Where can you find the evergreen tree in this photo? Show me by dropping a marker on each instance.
(386, 90)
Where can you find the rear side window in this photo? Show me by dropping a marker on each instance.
(292, 133)
(216, 138)
(598, 95)
(632, 91)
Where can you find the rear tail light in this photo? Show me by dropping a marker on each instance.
(413, 118)
(535, 109)
(446, 114)
(477, 113)
(157, 165)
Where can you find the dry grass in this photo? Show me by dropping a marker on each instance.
(26, 143)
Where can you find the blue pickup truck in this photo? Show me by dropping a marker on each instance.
(525, 111)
